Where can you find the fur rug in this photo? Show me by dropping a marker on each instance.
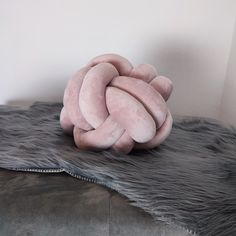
(189, 180)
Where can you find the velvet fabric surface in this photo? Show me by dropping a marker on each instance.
(109, 103)
(189, 180)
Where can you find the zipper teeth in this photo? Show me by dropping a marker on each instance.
(39, 170)
(58, 170)
(81, 177)
(91, 180)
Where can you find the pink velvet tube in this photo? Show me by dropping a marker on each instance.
(111, 104)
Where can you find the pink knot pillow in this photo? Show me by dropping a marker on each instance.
(111, 104)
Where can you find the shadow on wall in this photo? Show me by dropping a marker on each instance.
(48, 89)
(191, 73)
(17, 102)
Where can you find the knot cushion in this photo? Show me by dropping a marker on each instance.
(111, 104)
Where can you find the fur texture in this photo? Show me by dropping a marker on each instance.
(189, 180)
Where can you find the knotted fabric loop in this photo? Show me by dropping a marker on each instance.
(111, 104)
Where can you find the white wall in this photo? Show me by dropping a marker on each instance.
(42, 43)
(228, 106)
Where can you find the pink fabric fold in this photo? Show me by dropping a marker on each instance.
(111, 104)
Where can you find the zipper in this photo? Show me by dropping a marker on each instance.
(81, 177)
(55, 170)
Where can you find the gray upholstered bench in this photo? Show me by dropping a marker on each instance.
(58, 204)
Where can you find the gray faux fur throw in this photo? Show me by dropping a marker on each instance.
(189, 180)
